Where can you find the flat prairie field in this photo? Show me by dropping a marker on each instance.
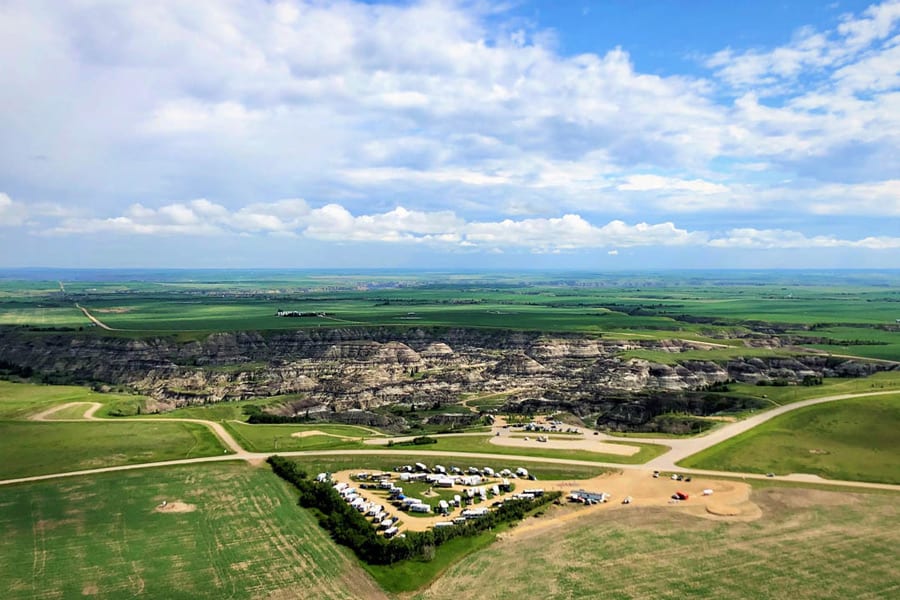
(227, 531)
(854, 439)
(31, 448)
(807, 544)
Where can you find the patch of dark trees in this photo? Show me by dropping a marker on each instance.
(422, 440)
(8, 369)
(350, 528)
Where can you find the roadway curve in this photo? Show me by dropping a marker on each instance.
(680, 449)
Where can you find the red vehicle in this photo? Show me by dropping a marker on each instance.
(681, 495)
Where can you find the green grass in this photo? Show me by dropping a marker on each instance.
(18, 400)
(273, 438)
(30, 448)
(39, 316)
(853, 440)
(807, 545)
(411, 575)
(387, 462)
(99, 536)
(780, 395)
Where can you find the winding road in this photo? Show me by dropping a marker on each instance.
(678, 448)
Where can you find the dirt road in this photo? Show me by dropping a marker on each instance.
(679, 449)
(94, 319)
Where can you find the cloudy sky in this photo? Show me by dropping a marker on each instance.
(528, 133)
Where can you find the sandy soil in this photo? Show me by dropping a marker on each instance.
(175, 507)
(577, 443)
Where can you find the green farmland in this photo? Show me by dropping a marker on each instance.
(850, 440)
(100, 536)
(829, 309)
(41, 448)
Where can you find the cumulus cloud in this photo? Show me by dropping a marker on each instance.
(479, 126)
(657, 183)
(780, 238)
(336, 224)
(11, 213)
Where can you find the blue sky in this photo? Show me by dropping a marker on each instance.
(596, 134)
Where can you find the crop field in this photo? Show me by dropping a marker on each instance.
(240, 534)
(850, 439)
(807, 544)
(39, 448)
(841, 313)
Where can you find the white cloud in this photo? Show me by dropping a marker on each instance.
(335, 223)
(657, 183)
(784, 239)
(877, 198)
(11, 213)
(478, 126)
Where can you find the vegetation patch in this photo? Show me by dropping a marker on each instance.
(31, 448)
(854, 440)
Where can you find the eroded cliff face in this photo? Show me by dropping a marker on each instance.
(358, 368)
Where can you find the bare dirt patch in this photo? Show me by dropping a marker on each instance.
(113, 310)
(90, 589)
(174, 507)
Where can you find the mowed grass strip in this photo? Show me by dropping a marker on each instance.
(100, 536)
(31, 448)
(854, 440)
(808, 544)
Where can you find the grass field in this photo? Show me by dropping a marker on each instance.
(780, 395)
(854, 440)
(99, 536)
(808, 544)
(274, 438)
(18, 400)
(30, 448)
